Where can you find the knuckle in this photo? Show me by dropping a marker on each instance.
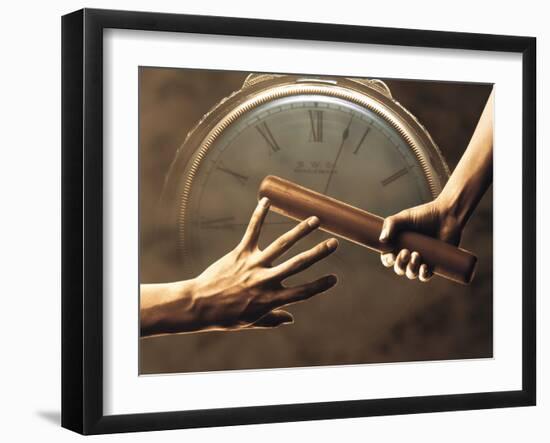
(402, 214)
(411, 275)
(241, 251)
(303, 259)
(269, 275)
(400, 217)
(283, 242)
(241, 246)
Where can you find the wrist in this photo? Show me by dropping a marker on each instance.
(168, 308)
(451, 207)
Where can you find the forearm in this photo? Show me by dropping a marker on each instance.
(474, 172)
(168, 308)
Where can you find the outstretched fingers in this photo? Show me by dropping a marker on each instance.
(287, 240)
(303, 260)
(303, 292)
(252, 234)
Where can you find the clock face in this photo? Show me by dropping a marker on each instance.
(328, 144)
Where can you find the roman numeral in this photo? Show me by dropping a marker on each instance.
(316, 120)
(361, 141)
(264, 130)
(395, 176)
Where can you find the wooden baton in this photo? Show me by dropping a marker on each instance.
(364, 228)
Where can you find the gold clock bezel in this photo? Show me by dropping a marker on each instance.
(257, 90)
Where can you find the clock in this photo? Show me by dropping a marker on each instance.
(344, 137)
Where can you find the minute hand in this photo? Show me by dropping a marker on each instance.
(345, 136)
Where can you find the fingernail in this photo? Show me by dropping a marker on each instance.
(313, 222)
(383, 235)
(264, 201)
(332, 244)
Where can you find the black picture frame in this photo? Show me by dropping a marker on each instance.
(82, 220)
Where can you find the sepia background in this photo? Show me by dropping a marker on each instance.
(440, 320)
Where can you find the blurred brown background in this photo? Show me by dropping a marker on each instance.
(451, 322)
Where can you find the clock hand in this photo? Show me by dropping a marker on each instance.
(218, 224)
(216, 220)
(395, 176)
(241, 178)
(362, 140)
(345, 136)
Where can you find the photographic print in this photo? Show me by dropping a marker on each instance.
(294, 221)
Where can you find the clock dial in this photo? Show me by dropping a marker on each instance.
(328, 144)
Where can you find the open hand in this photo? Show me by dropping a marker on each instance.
(240, 290)
(243, 289)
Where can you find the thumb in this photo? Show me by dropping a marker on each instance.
(393, 225)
